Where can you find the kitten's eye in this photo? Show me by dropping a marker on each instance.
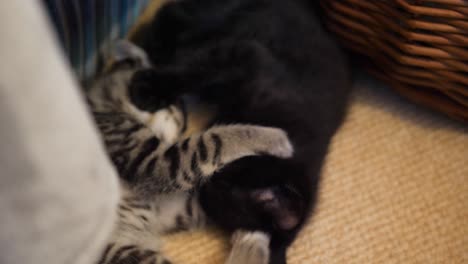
(127, 63)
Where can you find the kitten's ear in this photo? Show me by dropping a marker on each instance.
(124, 50)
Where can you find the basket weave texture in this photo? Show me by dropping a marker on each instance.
(420, 47)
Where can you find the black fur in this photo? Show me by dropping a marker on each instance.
(266, 62)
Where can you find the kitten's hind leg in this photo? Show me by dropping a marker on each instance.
(130, 254)
(133, 240)
(249, 247)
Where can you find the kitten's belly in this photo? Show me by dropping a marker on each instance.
(199, 115)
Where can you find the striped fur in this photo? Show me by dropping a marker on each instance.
(160, 170)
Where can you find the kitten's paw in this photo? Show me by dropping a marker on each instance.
(250, 247)
(276, 142)
(250, 238)
(232, 142)
(151, 90)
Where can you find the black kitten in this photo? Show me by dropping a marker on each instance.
(266, 62)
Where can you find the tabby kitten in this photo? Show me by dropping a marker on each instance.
(160, 171)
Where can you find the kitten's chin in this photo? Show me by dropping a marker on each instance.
(277, 203)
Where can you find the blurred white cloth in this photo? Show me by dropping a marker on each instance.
(58, 191)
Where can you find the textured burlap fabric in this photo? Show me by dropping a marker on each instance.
(394, 190)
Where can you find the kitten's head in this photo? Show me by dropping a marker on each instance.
(145, 90)
(113, 86)
(257, 196)
(123, 87)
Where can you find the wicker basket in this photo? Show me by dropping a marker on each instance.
(419, 46)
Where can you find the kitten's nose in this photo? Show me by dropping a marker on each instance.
(263, 195)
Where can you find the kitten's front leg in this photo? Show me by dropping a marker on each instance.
(249, 247)
(184, 165)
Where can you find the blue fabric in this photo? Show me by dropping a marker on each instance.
(86, 26)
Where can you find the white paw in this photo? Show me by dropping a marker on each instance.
(166, 125)
(250, 237)
(250, 247)
(279, 144)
